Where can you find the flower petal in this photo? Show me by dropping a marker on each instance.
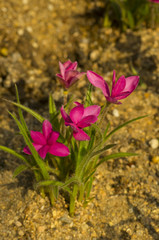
(37, 146)
(47, 129)
(65, 116)
(119, 87)
(76, 113)
(92, 110)
(43, 151)
(53, 137)
(62, 69)
(27, 150)
(113, 79)
(70, 65)
(38, 137)
(81, 135)
(59, 149)
(87, 121)
(99, 82)
(131, 83)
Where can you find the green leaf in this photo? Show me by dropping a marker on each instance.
(115, 155)
(19, 170)
(58, 184)
(88, 101)
(52, 106)
(102, 150)
(106, 130)
(123, 125)
(20, 111)
(32, 112)
(38, 160)
(6, 149)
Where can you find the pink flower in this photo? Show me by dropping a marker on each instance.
(155, 1)
(80, 118)
(46, 142)
(68, 73)
(120, 90)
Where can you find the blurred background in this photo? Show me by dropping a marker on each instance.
(101, 35)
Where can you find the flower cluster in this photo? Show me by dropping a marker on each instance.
(66, 154)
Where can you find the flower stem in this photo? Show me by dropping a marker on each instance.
(51, 195)
(105, 110)
(73, 199)
(81, 193)
(65, 94)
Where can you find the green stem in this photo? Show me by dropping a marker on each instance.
(73, 198)
(51, 195)
(103, 113)
(65, 94)
(81, 193)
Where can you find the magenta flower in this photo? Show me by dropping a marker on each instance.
(155, 1)
(120, 90)
(68, 73)
(80, 118)
(46, 142)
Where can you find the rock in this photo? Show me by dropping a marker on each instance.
(94, 55)
(115, 113)
(154, 143)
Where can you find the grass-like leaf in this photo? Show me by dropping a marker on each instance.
(21, 157)
(88, 101)
(19, 170)
(115, 155)
(20, 111)
(123, 125)
(102, 150)
(32, 112)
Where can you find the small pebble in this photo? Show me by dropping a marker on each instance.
(94, 55)
(115, 113)
(155, 159)
(18, 224)
(21, 233)
(154, 143)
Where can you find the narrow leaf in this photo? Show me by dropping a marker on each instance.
(20, 111)
(102, 150)
(123, 125)
(115, 155)
(19, 170)
(32, 112)
(6, 149)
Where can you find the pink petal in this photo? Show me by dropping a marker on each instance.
(77, 113)
(37, 146)
(70, 74)
(47, 129)
(70, 65)
(92, 110)
(72, 80)
(43, 151)
(131, 83)
(113, 80)
(27, 150)
(53, 137)
(119, 86)
(62, 69)
(87, 121)
(99, 82)
(81, 135)
(59, 149)
(67, 63)
(38, 137)
(65, 116)
(113, 100)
